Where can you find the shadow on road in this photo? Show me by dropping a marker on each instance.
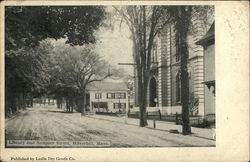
(53, 111)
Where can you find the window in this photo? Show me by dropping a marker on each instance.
(116, 105)
(119, 105)
(177, 46)
(116, 95)
(109, 95)
(100, 104)
(154, 53)
(178, 88)
(123, 95)
(98, 95)
(123, 105)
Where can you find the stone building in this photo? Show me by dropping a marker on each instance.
(164, 86)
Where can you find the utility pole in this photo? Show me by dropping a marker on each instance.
(135, 88)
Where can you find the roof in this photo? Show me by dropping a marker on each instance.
(108, 86)
(208, 37)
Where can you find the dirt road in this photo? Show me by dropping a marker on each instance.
(50, 124)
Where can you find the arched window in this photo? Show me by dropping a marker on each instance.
(154, 52)
(152, 92)
(177, 45)
(178, 87)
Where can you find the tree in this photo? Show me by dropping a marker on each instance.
(75, 68)
(181, 17)
(27, 25)
(144, 23)
(25, 75)
(25, 28)
(183, 20)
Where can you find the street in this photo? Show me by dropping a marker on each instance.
(51, 124)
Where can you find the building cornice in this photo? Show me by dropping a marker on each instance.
(178, 63)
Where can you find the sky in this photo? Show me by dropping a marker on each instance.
(114, 45)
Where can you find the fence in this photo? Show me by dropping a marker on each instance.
(197, 121)
(110, 113)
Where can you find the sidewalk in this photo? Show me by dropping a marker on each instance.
(160, 125)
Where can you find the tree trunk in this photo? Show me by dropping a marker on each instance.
(15, 103)
(61, 102)
(142, 91)
(44, 101)
(77, 101)
(82, 103)
(67, 104)
(20, 103)
(182, 29)
(57, 103)
(66, 100)
(24, 104)
(71, 104)
(31, 100)
(144, 72)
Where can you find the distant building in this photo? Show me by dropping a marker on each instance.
(108, 97)
(209, 72)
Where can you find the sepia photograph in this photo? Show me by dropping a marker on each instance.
(124, 81)
(109, 76)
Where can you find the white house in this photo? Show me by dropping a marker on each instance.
(108, 97)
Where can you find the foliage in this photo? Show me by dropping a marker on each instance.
(77, 67)
(27, 63)
(73, 69)
(193, 104)
(27, 25)
(25, 73)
